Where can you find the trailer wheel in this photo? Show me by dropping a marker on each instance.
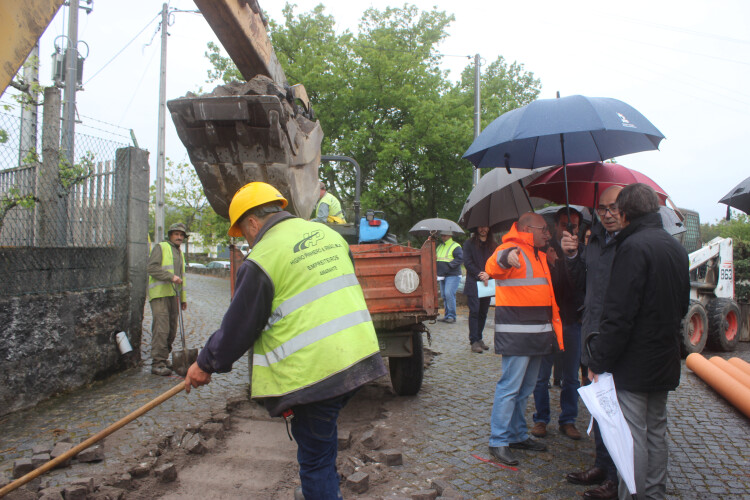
(694, 329)
(407, 373)
(723, 324)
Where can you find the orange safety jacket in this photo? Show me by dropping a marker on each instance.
(527, 319)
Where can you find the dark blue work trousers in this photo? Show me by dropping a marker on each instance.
(315, 429)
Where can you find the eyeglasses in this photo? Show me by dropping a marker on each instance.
(544, 229)
(602, 211)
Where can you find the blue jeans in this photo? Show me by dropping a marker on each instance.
(571, 359)
(508, 423)
(478, 308)
(448, 287)
(315, 429)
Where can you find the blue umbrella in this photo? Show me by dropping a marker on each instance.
(559, 131)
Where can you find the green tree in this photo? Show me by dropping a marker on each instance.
(382, 98)
(186, 202)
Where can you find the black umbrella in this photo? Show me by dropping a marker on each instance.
(738, 197)
(499, 199)
(428, 227)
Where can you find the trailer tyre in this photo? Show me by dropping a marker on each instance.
(694, 329)
(723, 324)
(407, 373)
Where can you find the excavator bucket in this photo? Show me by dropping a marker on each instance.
(252, 131)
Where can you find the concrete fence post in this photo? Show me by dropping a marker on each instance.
(133, 169)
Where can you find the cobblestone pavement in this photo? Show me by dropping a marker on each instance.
(83, 413)
(709, 440)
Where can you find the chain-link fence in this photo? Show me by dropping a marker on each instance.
(62, 224)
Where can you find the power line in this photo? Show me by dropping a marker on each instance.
(678, 29)
(135, 90)
(122, 49)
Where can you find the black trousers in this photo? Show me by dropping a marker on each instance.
(477, 316)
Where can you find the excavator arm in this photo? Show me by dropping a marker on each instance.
(259, 130)
(21, 25)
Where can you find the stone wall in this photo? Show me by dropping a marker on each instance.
(55, 343)
(59, 316)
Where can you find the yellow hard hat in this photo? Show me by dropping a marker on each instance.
(250, 196)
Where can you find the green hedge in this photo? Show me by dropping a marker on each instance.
(742, 271)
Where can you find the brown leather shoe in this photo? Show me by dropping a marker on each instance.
(569, 430)
(594, 475)
(539, 430)
(484, 346)
(475, 347)
(608, 489)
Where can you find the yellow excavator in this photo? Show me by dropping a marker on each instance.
(264, 129)
(260, 130)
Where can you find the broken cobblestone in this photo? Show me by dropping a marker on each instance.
(359, 482)
(41, 459)
(94, 453)
(166, 473)
(21, 467)
(344, 439)
(75, 492)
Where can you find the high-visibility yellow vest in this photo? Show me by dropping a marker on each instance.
(319, 323)
(335, 214)
(156, 288)
(445, 250)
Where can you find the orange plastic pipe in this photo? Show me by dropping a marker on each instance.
(741, 364)
(732, 390)
(732, 370)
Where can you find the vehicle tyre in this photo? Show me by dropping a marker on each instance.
(407, 373)
(723, 324)
(694, 329)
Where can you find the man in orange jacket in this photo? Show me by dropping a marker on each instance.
(527, 323)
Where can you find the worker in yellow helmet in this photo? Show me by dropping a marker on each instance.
(298, 304)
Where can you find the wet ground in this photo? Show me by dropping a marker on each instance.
(445, 427)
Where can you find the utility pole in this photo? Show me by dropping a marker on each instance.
(477, 112)
(159, 209)
(71, 80)
(29, 112)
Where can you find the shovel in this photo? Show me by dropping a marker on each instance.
(181, 360)
(92, 440)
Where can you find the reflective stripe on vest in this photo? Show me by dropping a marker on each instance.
(309, 295)
(445, 252)
(334, 206)
(528, 281)
(320, 325)
(157, 288)
(510, 328)
(307, 338)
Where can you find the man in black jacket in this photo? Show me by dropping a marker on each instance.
(476, 251)
(590, 270)
(639, 332)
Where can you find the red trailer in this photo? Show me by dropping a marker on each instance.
(400, 287)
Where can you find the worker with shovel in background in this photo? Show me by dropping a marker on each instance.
(299, 305)
(166, 272)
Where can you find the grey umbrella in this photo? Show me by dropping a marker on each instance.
(428, 227)
(738, 197)
(499, 198)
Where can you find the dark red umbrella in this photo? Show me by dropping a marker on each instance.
(587, 181)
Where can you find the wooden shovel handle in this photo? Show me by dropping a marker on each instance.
(93, 439)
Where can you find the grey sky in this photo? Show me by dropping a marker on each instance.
(683, 64)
